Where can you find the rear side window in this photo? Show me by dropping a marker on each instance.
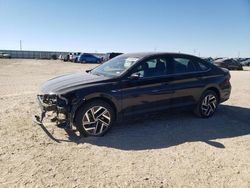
(184, 65)
(202, 66)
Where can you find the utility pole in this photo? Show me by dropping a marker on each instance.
(194, 51)
(20, 44)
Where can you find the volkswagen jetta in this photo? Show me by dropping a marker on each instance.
(132, 84)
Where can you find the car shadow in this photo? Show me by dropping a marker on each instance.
(168, 129)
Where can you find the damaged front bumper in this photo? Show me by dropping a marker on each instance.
(52, 103)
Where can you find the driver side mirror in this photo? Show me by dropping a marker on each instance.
(135, 76)
(87, 71)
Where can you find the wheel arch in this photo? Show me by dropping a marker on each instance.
(94, 98)
(214, 89)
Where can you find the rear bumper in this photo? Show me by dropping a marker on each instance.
(225, 94)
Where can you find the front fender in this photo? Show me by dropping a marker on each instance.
(114, 100)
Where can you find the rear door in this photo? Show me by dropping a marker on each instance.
(188, 81)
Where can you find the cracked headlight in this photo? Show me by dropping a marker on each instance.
(48, 99)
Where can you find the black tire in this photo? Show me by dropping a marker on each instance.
(198, 109)
(98, 123)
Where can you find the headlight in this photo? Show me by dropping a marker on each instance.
(48, 99)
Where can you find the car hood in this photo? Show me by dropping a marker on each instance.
(66, 83)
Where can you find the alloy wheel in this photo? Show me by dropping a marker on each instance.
(96, 120)
(208, 105)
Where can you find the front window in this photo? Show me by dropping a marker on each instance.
(115, 66)
(151, 68)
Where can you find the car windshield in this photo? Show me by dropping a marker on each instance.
(115, 66)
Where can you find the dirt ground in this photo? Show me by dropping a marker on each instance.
(164, 150)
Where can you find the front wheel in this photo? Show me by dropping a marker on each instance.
(207, 104)
(95, 118)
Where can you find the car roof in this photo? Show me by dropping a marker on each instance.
(146, 54)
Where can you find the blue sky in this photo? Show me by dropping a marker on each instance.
(208, 28)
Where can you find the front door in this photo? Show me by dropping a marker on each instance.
(150, 91)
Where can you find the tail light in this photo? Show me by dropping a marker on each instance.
(228, 77)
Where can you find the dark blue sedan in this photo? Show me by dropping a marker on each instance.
(88, 58)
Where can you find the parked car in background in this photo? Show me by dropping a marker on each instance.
(208, 59)
(66, 57)
(133, 84)
(88, 58)
(70, 56)
(110, 55)
(229, 64)
(217, 58)
(241, 59)
(245, 63)
(5, 55)
(60, 57)
(73, 56)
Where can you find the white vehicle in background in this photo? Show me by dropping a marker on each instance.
(5, 55)
(74, 56)
(61, 57)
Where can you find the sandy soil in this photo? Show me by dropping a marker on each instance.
(164, 150)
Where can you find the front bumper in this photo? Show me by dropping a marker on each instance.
(52, 103)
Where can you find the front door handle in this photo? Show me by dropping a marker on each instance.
(162, 91)
(156, 91)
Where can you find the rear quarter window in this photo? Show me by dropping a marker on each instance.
(202, 66)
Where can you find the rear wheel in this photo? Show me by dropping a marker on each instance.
(207, 104)
(95, 118)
